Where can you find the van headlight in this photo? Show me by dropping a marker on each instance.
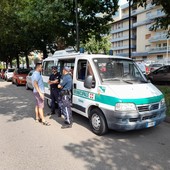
(162, 102)
(125, 107)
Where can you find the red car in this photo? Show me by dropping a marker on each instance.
(19, 76)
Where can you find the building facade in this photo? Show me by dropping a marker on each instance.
(145, 44)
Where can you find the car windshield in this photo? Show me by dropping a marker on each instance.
(10, 70)
(23, 71)
(156, 65)
(118, 71)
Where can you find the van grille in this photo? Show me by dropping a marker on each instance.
(149, 117)
(150, 107)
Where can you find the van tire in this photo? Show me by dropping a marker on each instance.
(98, 122)
(49, 103)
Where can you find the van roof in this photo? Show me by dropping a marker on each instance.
(62, 54)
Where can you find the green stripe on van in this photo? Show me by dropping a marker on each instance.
(45, 84)
(109, 100)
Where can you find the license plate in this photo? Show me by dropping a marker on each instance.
(150, 124)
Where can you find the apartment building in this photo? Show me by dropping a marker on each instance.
(145, 44)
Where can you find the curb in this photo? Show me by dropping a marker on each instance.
(167, 119)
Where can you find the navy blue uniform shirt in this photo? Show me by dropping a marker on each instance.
(53, 77)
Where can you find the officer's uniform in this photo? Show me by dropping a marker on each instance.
(54, 91)
(66, 83)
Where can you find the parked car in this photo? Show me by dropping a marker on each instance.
(19, 76)
(154, 66)
(3, 73)
(160, 76)
(29, 81)
(9, 74)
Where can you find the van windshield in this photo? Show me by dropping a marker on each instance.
(118, 70)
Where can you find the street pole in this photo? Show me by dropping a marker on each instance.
(77, 26)
(167, 50)
(167, 46)
(129, 28)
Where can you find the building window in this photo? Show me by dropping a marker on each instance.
(144, 57)
(159, 11)
(148, 26)
(159, 57)
(147, 36)
(148, 14)
(164, 44)
(158, 45)
(147, 47)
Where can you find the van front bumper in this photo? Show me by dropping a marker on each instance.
(133, 120)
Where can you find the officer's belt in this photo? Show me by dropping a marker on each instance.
(65, 92)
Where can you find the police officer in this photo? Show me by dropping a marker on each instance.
(54, 80)
(66, 86)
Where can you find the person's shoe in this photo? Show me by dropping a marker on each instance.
(66, 126)
(59, 113)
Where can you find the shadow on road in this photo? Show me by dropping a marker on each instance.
(16, 101)
(122, 151)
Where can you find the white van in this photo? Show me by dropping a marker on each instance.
(110, 91)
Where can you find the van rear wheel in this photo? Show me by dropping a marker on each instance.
(49, 103)
(98, 122)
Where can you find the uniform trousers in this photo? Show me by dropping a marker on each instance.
(55, 97)
(66, 108)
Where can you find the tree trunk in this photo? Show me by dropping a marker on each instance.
(27, 59)
(45, 53)
(17, 58)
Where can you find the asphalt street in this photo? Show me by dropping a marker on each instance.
(27, 145)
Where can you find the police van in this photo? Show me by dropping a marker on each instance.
(110, 91)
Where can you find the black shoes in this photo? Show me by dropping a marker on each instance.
(66, 126)
(59, 112)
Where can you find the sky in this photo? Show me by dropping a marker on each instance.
(121, 2)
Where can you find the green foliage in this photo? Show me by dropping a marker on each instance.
(97, 46)
(166, 91)
(30, 24)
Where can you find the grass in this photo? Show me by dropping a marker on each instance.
(166, 91)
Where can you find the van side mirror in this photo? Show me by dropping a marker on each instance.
(88, 82)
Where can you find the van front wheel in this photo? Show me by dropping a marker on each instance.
(97, 122)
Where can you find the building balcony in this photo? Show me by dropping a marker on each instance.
(120, 30)
(123, 47)
(123, 38)
(157, 49)
(147, 21)
(156, 15)
(156, 38)
(133, 13)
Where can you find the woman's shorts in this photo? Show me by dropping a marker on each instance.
(39, 100)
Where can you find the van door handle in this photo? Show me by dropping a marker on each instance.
(74, 85)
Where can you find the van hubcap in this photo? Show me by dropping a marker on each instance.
(96, 122)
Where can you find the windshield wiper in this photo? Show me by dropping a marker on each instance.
(127, 81)
(112, 79)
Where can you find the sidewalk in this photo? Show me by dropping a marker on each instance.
(167, 119)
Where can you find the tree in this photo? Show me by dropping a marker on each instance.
(97, 46)
(27, 25)
(160, 22)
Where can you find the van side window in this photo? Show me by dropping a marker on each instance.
(81, 70)
(47, 70)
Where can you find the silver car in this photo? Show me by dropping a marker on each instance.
(29, 81)
(8, 74)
